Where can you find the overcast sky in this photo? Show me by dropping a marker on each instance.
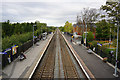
(52, 12)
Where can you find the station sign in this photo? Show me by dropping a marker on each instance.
(14, 50)
(5, 51)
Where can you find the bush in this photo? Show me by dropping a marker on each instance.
(16, 39)
(94, 43)
(108, 50)
(6, 43)
(90, 36)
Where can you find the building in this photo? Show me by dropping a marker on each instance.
(78, 28)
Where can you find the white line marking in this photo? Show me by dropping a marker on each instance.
(39, 59)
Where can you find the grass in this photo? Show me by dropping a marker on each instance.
(107, 50)
(93, 43)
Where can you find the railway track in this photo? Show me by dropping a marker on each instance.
(58, 62)
(69, 68)
(45, 69)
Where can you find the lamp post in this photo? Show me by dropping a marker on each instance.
(41, 30)
(110, 38)
(115, 74)
(110, 33)
(86, 36)
(83, 31)
(82, 24)
(33, 35)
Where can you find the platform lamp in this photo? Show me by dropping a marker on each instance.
(85, 33)
(82, 24)
(115, 74)
(110, 36)
(82, 27)
(33, 34)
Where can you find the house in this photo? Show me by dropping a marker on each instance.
(78, 28)
(81, 28)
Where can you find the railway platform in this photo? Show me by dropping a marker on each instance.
(57, 57)
(18, 69)
(97, 67)
(59, 62)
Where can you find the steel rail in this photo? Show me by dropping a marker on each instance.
(39, 59)
(85, 72)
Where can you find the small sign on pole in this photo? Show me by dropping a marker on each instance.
(99, 44)
(9, 60)
(85, 41)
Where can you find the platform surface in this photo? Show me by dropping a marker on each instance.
(18, 69)
(98, 68)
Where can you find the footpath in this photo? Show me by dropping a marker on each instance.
(97, 67)
(18, 69)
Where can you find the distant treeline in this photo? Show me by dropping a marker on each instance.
(19, 33)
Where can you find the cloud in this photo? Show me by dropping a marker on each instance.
(53, 0)
(49, 11)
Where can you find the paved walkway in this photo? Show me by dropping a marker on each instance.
(98, 68)
(18, 69)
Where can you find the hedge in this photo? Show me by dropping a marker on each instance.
(17, 39)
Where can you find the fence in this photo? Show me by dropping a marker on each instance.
(20, 49)
(102, 53)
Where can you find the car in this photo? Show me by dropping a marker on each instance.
(44, 36)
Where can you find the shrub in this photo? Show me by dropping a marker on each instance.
(17, 39)
(90, 36)
(94, 43)
(6, 43)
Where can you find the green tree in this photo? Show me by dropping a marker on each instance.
(102, 30)
(112, 9)
(90, 36)
(89, 16)
(61, 29)
(68, 27)
(7, 29)
(19, 33)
